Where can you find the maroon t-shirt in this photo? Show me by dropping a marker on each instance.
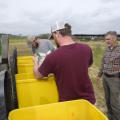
(70, 64)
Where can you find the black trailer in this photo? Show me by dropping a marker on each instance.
(8, 99)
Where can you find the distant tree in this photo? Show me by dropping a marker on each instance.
(13, 36)
(44, 36)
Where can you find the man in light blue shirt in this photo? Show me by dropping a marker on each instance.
(43, 46)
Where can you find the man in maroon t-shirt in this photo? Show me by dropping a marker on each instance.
(69, 63)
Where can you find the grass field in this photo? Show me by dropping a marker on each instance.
(97, 48)
(21, 46)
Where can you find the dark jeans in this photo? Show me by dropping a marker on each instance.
(112, 95)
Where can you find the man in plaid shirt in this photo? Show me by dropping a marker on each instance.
(110, 69)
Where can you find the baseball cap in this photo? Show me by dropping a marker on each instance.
(56, 27)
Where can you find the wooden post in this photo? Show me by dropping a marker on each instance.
(5, 48)
(0, 52)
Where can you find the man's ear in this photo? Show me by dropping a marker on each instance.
(114, 38)
(58, 34)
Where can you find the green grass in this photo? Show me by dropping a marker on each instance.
(98, 53)
(21, 45)
(97, 49)
(17, 40)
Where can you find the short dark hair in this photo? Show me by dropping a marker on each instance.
(66, 30)
(113, 33)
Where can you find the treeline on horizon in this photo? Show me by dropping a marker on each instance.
(82, 37)
(11, 36)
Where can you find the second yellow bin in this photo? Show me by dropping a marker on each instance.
(24, 57)
(25, 60)
(25, 64)
(24, 76)
(25, 68)
(32, 92)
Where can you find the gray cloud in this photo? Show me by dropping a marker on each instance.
(3, 5)
(35, 17)
(109, 1)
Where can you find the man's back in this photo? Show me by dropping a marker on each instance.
(44, 46)
(70, 65)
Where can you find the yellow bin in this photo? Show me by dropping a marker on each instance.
(70, 110)
(25, 68)
(24, 76)
(25, 60)
(24, 57)
(32, 92)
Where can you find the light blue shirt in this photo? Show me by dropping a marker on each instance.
(44, 46)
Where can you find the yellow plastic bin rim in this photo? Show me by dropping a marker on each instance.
(79, 100)
(24, 57)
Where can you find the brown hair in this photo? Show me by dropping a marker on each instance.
(66, 30)
(113, 33)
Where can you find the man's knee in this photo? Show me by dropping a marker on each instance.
(115, 101)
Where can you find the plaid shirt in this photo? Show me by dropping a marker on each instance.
(110, 61)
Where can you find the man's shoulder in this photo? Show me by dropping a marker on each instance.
(83, 46)
(56, 52)
(46, 40)
(53, 53)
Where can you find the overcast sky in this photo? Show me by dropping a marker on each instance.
(37, 16)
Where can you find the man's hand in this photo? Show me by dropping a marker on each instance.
(35, 60)
(35, 69)
(98, 78)
(98, 81)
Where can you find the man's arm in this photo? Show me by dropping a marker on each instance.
(100, 73)
(35, 69)
(45, 68)
(101, 68)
